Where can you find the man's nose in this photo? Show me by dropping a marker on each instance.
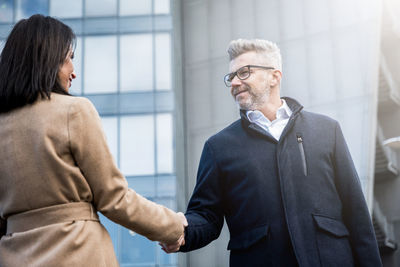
(236, 81)
(73, 75)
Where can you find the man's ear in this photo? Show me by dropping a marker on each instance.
(276, 77)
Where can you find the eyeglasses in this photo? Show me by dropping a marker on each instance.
(243, 73)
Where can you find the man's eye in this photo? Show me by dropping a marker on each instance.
(243, 73)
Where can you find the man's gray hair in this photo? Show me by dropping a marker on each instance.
(266, 48)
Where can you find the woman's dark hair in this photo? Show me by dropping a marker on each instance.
(30, 61)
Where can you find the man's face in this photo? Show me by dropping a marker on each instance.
(253, 92)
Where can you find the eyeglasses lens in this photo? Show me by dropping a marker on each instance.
(243, 73)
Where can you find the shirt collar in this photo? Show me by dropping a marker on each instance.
(283, 112)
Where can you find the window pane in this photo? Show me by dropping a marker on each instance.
(76, 87)
(101, 25)
(100, 64)
(144, 185)
(165, 145)
(136, 62)
(163, 61)
(101, 7)
(134, 7)
(166, 186)
(161, 6)
(6, 10)
(137, 145)
(110, 126)
(64, 9)
(137, 249)
(26, 8)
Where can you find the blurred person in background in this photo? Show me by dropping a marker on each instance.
(282, 178)
(56, 170)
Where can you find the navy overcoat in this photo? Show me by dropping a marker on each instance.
(296, 201)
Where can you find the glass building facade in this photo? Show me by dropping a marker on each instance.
(123, 60)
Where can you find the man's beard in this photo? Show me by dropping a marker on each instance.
(255, 100)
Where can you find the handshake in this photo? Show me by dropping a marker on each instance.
(174, 247)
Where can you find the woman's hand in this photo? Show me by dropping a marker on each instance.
(174, 247)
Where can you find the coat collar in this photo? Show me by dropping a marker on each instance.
(293, 104)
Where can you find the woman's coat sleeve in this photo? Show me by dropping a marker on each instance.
(111, 195)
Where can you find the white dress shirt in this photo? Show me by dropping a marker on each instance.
(275, 128)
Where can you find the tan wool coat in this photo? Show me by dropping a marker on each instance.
(56, 171)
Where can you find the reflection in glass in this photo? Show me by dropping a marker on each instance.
(6, 10)
(164, 143)
(163, 61)
(63, 9)
(26, 8)
(110, 126)
(134, 7)
(137, 149)
(76, 87)
(136, 62)
(161, 6)
(100, 64)
(101, 8)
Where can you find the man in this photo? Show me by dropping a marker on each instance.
(282, 177)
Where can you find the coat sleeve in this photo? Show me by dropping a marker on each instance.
(204, 212)
(111, 195)
(355, 211)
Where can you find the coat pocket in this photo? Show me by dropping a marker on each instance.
(332, 226)
(248, 238)
(332, 241)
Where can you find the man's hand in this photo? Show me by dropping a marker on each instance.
(174, 247)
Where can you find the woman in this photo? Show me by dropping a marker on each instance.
(56, 170)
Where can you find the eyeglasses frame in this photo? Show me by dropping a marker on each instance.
(233, 74)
